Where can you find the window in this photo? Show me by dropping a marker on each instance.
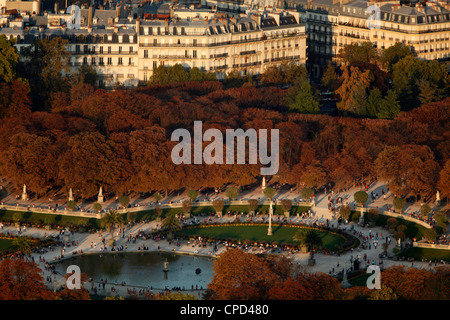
(155, 65)
(100, 61)
(145, 53)
(120, 49)
(109, 49)
(130, 61)
(131, 49)
(101, 49)
(120, 61)
(194, 53)
(109, 61)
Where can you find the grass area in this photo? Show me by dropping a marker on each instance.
(40, 219)
(413, 230)
(5, 244)
(360, 280)
(426, 253)
(278, 210)
(281, 234)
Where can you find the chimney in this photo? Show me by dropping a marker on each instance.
(138, 26)
(118, 11)
(90, 15)
(419, 7)
(256, 18)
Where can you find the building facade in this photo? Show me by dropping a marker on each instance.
(124, 50)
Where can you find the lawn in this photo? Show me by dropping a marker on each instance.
(280, 234)
(5, 244)
(149, 214)
(426, 253)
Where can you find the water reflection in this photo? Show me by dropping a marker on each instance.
(144, 269)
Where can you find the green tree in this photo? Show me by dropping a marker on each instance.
(357, 53)
(110, 221)
(425, 210)
(269, 192)
(374, 101)
(300, 98)
(410, 73)
(124, 201)
(22, 244)
(361, 197)
(372, 216)
(44, 65)
(286, 204)
(430, 235)
(192, 194)
(71, 204)
(389, 107)
(232, 193)
(358, 104)
(390, 56)
(306, 193)
(309, 238)
(253, 204)
(330, 78)
(187, 205)
(345, 212)
(8, 60)
(398, 203)
(171, 223)
(392, 223)
(157, 197)
(97, 207)
(218, 205)
(167, 75)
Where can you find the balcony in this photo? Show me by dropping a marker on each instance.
(244, 53)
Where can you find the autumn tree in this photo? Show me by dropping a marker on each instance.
(352, 79)
(89, 163)
(30, 159)
(15, 100)
(444, 181)
(239, 275)
(22, 280)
